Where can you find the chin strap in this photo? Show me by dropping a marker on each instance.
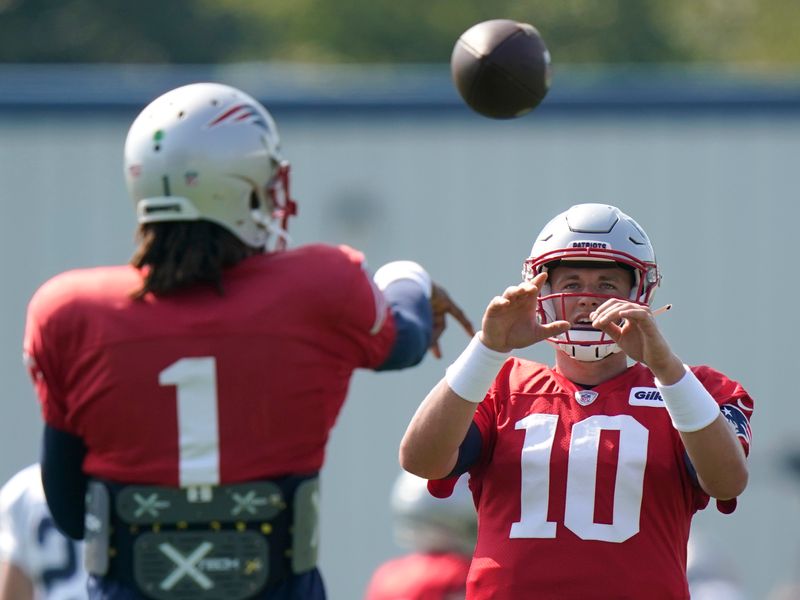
(277, 233)
(585, 352)
(273, 232)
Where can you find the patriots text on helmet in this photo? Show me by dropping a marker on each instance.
(590, 244)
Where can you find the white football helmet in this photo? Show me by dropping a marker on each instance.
(592, 232)
(210, 151)
(426, 524)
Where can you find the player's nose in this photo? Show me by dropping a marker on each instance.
(588, 300)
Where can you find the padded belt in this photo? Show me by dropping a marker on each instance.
(305, 528)
(97, 528)
(145, 505)
(206, 543)
(201, 565)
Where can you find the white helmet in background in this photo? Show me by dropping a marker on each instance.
(426, 524)
(209, 151)
(592, 233)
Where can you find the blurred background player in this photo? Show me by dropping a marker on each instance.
(586, 474)
(37, 561)
(192, 392)
(439, 532)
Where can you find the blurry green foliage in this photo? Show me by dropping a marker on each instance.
(754, 32)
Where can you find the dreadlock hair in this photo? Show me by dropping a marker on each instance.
(179, 254)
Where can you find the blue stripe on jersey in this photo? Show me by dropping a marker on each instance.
(469, 451)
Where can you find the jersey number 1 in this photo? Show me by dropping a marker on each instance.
(584, 449)
(198, 423)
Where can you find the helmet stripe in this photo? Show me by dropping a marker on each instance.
(240, 112)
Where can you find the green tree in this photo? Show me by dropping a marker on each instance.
(751, 32)
(182, 31)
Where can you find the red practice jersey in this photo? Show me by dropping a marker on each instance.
(200, 388)
(585, 494)
(420, 577)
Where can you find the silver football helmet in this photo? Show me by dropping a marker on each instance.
(426, 524)
(210, 151)
(592, 233)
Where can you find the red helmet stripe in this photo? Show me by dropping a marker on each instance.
(227, 114)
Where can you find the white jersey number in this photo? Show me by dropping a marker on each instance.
(540, 432)
(198, 423)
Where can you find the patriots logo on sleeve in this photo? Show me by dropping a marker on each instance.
(738, 421)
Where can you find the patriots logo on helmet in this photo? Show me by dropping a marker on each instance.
(241, 113)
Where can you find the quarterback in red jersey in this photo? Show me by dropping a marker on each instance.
(192, 392)
(586, 475)
(440, 532)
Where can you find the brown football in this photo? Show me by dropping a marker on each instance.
(501, 68)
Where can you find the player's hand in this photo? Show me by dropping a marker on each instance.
(634, 329)
(442, 305)
(510, 320)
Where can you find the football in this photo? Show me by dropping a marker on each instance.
(501, 68)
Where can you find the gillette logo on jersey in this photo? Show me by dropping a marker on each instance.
(590, 244)
(645, 396)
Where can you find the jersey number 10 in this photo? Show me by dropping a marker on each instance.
(584, 447)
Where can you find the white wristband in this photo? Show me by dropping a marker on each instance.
(472, 373)
(688, 403)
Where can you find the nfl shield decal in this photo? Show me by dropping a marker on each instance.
(585, 397)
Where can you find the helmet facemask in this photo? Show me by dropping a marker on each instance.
(272, 209)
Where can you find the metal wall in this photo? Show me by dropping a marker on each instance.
(465, 196)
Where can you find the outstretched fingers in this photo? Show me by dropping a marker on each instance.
(459, 315)
(442, 305)
(555, 328)
(513, 297)
(510, 318)
(607, 317)
(526, 290)
(611, 317)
